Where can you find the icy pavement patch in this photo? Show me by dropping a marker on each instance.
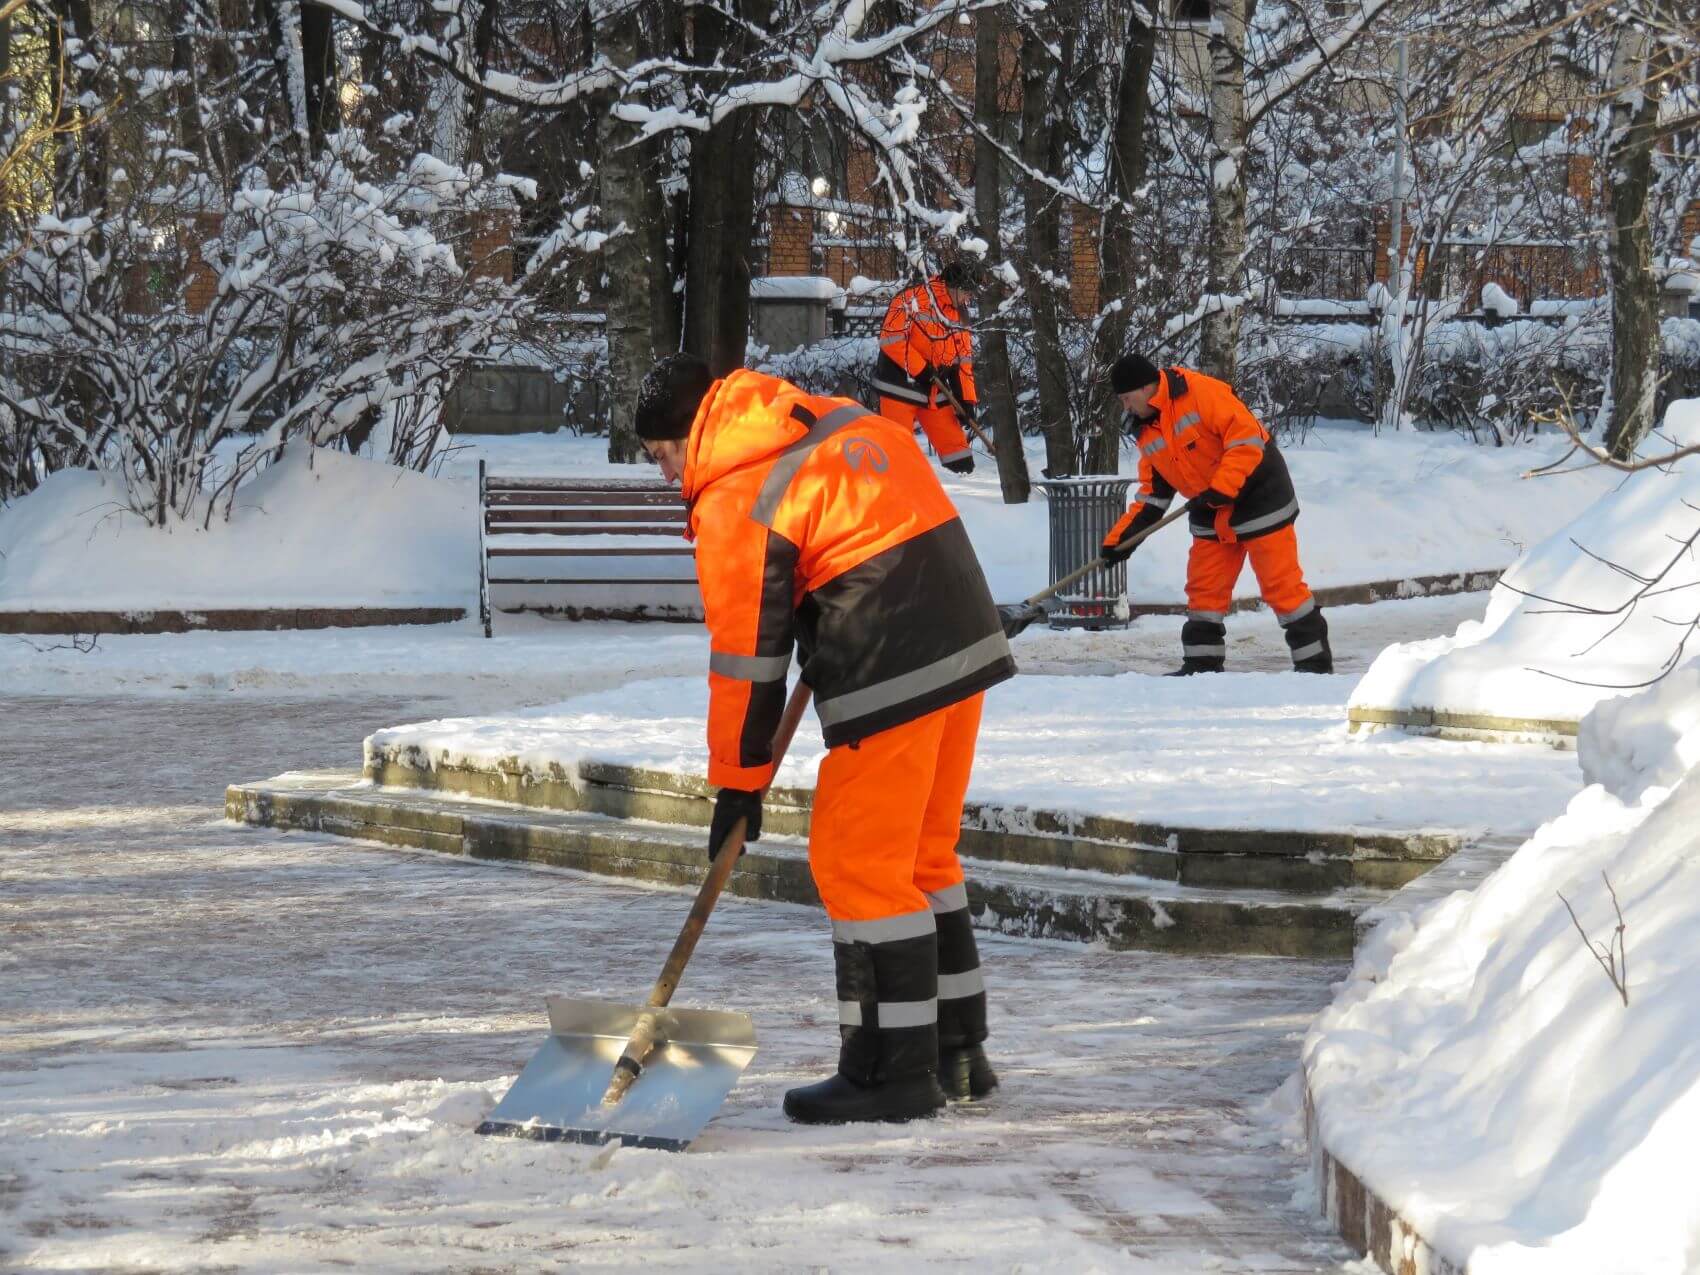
(1231, 750)
(533, 660)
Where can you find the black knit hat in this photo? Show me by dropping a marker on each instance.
(669, 397)
(1131, 371)
(957, 274)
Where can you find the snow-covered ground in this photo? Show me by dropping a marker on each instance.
(1235, 750)
(1602, 605)
(318, 529)
(1526, 1103)
(534, 660)
(225, 1048)
(348, 532)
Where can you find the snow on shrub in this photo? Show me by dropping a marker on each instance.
(1482, 1072)
(1605, 605)
(340, 303)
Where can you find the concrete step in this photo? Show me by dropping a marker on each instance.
(1033, 900)
(1304, 863)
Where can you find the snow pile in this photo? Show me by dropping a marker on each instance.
(1482, 1074)
(1570, 625)
(1636, 742)
(317, 529)
(1232, 751)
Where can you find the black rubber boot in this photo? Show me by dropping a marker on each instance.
(1204, 644)
(885, 1073)
(1307, 640)
(841, 1100)
(964, 1073)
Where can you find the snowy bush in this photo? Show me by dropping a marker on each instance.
(339, 303)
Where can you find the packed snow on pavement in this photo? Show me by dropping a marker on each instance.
(533, 660)
(230, 1048)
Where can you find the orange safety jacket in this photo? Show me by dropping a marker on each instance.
(819, 524)
(1204, 437)
(923, 336)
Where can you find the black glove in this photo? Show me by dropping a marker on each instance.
(1119, 552)
(730, 805)
(1207, 502)
(961, 465)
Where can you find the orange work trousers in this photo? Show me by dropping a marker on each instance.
(888, 812)
(941, 424)
(1214, 565)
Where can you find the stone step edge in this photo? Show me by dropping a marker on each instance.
(1365, 1221)
(1023, 904)
(1312, 874)
(222, 620)
(1555, 732)
(404, 766)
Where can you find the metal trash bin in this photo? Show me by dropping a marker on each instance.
(1082, 512)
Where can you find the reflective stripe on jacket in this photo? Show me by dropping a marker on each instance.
(1204, 437)
(821, 524)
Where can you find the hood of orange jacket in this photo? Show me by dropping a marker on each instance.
(744, 418)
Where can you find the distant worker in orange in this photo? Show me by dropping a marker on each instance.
(1198, 441)
(925, 349)
(822, 526)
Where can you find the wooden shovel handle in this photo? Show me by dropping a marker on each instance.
(966, 417)
(1072, 576)
(643, 1034)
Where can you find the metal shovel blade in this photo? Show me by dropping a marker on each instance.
(698, 1057)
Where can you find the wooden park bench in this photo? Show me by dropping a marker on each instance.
(585, 549)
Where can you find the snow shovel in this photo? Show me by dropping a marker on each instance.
(642, 1076)
(1016, 616)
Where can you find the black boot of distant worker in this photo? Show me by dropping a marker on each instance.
(1204, 644)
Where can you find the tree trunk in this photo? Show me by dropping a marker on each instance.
(1225, 183)
(1039, 152)
(1634, 288)
(1126, 173)
(991, 365)
(628, 258)
(318, 63)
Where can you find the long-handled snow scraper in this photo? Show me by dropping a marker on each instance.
(1016, 616)
(644, 1076)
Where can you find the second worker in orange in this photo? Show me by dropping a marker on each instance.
(1198, 441)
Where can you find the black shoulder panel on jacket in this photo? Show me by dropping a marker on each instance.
(1177, 383)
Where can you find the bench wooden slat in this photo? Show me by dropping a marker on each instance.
(682, 581)
(496, 517)
(584, 499)
(495, 483)
(564, 551)
(622, 530)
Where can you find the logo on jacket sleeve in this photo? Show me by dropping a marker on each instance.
(863, 453)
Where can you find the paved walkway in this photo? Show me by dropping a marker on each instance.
(229, 1049)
